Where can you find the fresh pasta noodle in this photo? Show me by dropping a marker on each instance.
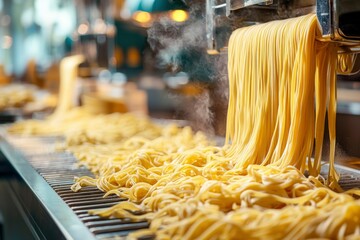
(137, 151)
(346, 62)
(111, 128)
(271, 118)
(334, 221)
(68, 75)
(15, 96)
(65, 114)
(52, 125)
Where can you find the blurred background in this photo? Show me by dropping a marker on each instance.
(157, 47)
(112, 31)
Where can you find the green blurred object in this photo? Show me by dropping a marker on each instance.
(134, 38)
(128, 38)
(155, 5)
(165, 5)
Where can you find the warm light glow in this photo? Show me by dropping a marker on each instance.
(119, 56)
(83, 28)
(142, 17)
(179, 15)
(133, 57)
(7, 42)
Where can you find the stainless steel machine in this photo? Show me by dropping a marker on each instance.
(339, 21)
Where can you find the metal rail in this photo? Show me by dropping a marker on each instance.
(45, 177)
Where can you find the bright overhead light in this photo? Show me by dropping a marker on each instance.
(179, 15)
(142, 17)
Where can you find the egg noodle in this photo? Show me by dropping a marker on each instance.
(65, 115)
(277, 74)
(15, 96)
(282, 85)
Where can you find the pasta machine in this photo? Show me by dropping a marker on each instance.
(339, 20)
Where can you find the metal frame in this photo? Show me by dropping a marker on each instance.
(328, 12)
(44, 207)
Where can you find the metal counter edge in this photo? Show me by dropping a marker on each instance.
(65, 219)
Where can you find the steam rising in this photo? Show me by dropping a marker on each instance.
(182, 47)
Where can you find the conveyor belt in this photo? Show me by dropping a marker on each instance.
(58, 169)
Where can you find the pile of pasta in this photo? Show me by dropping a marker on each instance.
(254, 186)
(52, 125)
(14, 96)
(79, 127)
(103, 159)
(111, 128)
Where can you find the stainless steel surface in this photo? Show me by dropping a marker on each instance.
(277, 9)
(48, 174)
(339, 20)
(241, 13)
(236, 4)
(46, 200)
(216, 15)
(349, 175)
